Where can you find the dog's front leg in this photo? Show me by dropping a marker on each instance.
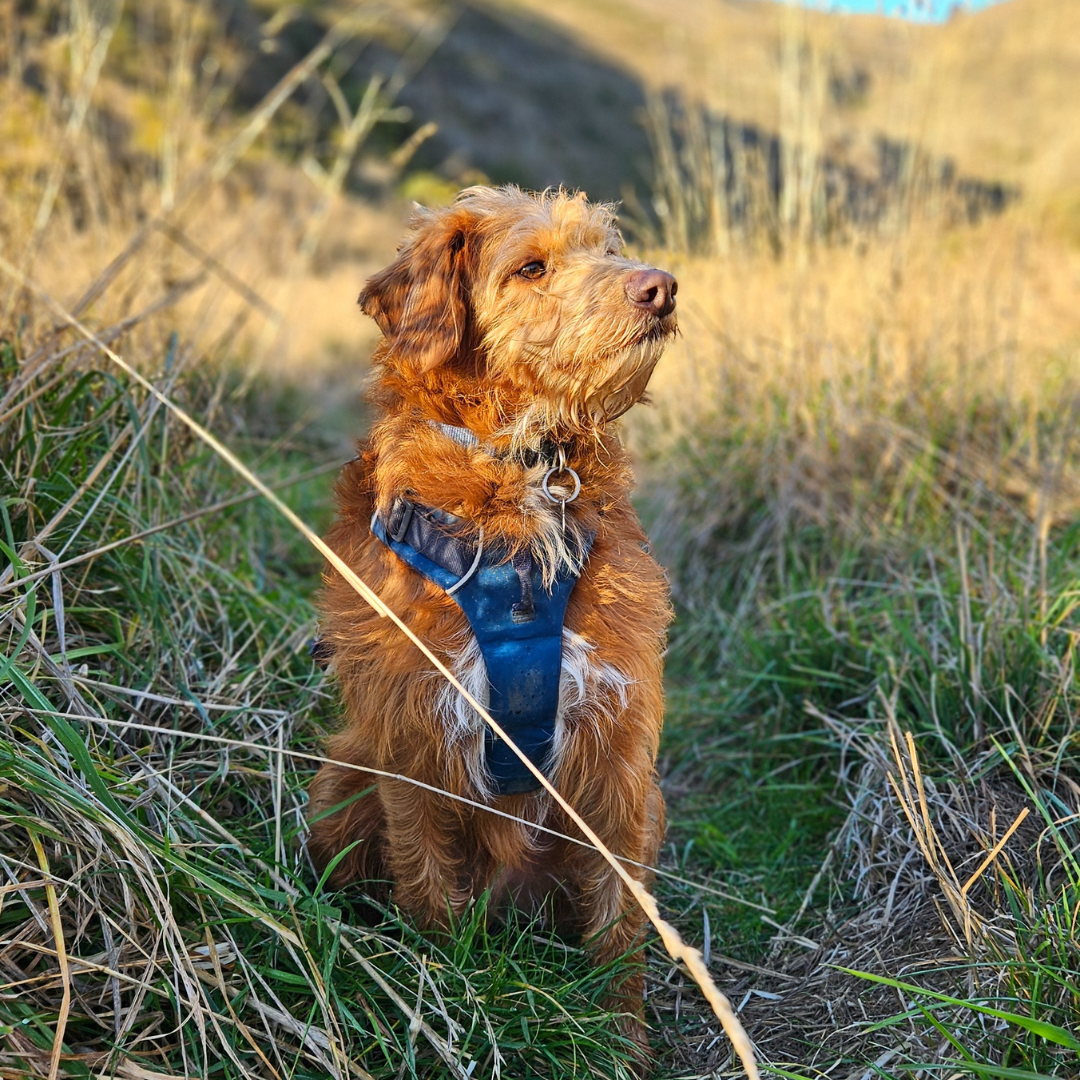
(631, 823)
(425, 853)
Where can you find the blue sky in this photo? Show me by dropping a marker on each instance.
(938, 9)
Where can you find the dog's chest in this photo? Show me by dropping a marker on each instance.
(585, 690)
(537, 677)
(591, 692)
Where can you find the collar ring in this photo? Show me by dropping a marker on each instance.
(557, 471)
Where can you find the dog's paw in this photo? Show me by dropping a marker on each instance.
(633, 1028)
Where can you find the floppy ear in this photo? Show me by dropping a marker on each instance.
(420, 301)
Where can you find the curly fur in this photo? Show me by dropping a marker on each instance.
(524, 363)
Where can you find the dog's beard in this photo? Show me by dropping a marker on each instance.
(626, 387)
(580, 403)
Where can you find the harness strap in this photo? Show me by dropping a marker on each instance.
(517, 624)
(429, 532)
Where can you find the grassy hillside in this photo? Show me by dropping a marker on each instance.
(859, 466)
(555, 92)
(995, 90)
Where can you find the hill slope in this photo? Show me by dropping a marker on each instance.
(552, 90)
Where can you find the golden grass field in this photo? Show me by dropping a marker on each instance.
(859, 465)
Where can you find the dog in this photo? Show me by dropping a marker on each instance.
(514, 332)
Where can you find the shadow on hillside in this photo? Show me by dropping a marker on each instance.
(717, 174)
(522, 102)
(518, 100)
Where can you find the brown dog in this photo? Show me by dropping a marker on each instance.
(514, 332)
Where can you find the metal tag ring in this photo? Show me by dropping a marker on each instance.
(553, 472)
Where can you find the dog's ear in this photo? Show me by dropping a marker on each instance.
(420, 301)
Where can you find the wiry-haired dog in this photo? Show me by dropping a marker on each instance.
(492, 491)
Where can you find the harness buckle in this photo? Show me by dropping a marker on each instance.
(401, 514)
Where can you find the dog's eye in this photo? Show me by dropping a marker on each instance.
(533, 270)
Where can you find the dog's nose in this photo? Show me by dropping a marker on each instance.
(653, 291)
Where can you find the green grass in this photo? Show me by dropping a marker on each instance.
(750, 802)
(176, 861)
(927, 602)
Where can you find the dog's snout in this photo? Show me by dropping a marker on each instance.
(653, 291)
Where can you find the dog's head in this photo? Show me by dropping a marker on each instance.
(534, 293)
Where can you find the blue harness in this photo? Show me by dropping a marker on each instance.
(517, 623)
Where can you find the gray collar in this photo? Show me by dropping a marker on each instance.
(549, 453)
(461, 435)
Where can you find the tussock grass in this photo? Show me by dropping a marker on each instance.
(819, 645)
(860, 468)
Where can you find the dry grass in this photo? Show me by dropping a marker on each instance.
(860, 467)
(154, 136)
(993, 91)
(837, 386)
